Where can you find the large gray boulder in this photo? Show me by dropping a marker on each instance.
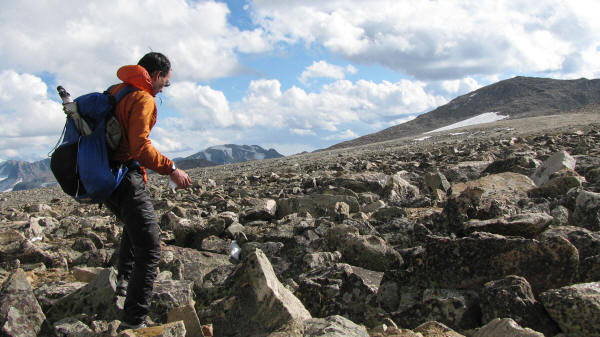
(20, 313)
(258, 303)
(575, 308)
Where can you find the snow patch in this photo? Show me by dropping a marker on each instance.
(487, 117)
(422, 138)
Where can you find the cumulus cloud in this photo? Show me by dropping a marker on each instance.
(324, 69)
(444, 40)
(200, 105)
(29, 119)
(83, 43)
(295, 111)
(452, 88)
(348, 134)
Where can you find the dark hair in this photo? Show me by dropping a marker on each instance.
(155, 61)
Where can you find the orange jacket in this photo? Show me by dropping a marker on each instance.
(137, 115)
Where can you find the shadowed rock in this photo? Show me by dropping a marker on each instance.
(512, 297)
(472, 261)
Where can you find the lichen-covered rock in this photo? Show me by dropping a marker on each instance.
(436, 181)
(575, 308)
(261, 209)
(367, 251)
(342, 289)
(486, 198)
(20, 313)
(472, 261)
(258, 302)
(71, 327)
(333, 326)
(559, 184)
(190, 264)
(455, 308)
(526, 225)
(95, 300)
(525, 165)
(170, 294)
(512, 297)
(587, 211)
(315, 204)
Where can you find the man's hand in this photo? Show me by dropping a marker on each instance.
(181, 178)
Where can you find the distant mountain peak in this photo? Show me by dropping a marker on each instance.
(232, 153)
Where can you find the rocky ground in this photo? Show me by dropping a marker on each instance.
(491, 230)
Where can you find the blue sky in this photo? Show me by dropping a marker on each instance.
(291, 75)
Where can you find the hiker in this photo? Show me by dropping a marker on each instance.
(139, 252)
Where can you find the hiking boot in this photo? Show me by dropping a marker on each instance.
(121, 289)
(127, 326)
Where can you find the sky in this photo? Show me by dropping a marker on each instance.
(290, 75)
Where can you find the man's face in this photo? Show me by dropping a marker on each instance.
(159, 81)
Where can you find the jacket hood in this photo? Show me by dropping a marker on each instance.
(136, 76)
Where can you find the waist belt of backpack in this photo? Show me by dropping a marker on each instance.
(133, 165)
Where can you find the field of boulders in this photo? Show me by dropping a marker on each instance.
(488, 232)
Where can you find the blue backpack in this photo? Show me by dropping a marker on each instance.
(81, 164)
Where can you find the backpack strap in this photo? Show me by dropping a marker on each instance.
(122, 93)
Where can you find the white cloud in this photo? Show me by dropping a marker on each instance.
(29, 120)
(456, 87)
(444, 40)
(324, 69)
(200, 105)
(348, 134)
(293, 112)
(303, 132)
(84, 43)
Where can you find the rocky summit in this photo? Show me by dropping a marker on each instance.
(488, 231)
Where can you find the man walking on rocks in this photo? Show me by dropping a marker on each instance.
(139, 252)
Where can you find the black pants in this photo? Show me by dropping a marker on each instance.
(140, 244)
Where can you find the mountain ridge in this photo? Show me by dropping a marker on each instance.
(518, 97)
(232, 153)
(18, 175)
